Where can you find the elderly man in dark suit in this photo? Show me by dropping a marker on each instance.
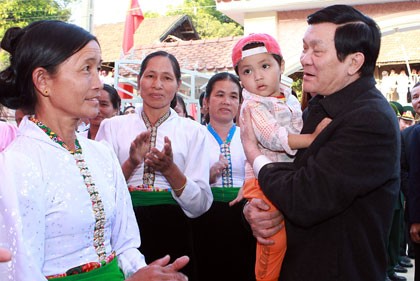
(410, 177)
(337, 197)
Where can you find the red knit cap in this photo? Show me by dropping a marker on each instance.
(270, 46)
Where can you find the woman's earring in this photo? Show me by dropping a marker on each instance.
(45, 93)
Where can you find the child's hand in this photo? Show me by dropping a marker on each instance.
(321, 126)
(248, 138)
(238, 198)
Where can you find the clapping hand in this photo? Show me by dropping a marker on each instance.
(161, 161)
(217, 168)
(139, 147)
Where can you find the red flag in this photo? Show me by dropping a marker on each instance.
(132, 21)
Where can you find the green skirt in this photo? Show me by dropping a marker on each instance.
(109, 272)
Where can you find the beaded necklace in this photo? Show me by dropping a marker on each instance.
(148, 174)
(97, 205)
(227, 180)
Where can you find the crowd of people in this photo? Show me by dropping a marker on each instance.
(396, 86)
(262, 188)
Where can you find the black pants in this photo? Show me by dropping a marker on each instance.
(394, 241)
(416, 247)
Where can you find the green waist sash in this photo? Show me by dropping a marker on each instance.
(109, 272)
(224, 194)
(151, 198)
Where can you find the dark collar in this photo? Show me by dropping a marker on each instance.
(335, 103)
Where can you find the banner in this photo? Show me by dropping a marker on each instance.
(132, 21)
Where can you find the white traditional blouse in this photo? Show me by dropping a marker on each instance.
(190, 153)
(58, 220)
(238, 158)
(10, 224)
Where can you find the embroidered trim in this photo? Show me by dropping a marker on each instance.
(97, 205)
(227, 179)
(148, 174)
(84, 267)
(147, 188)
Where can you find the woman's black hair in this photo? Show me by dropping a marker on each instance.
(175, 67)
(181, 101)
(128, 107)
(221, 76)
(113, 96)
(46, 44)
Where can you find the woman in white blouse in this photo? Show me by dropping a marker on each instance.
(164, 159)
(74, 217)
(221, 238)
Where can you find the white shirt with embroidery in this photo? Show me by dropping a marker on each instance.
(190, 153)
(57, 220)
(238, 158)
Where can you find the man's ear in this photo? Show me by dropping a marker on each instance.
(40, 78)
(356, 61)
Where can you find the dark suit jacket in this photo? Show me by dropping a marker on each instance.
(406, 136)
(413, 200)
(338, 195)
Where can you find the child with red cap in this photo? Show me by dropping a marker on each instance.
(276, 117)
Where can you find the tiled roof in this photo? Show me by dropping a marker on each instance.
(215, 54)
(211, 55)
(202, 55)
(398, 47)
(154, 30)
(110, 37)
(151, 30)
